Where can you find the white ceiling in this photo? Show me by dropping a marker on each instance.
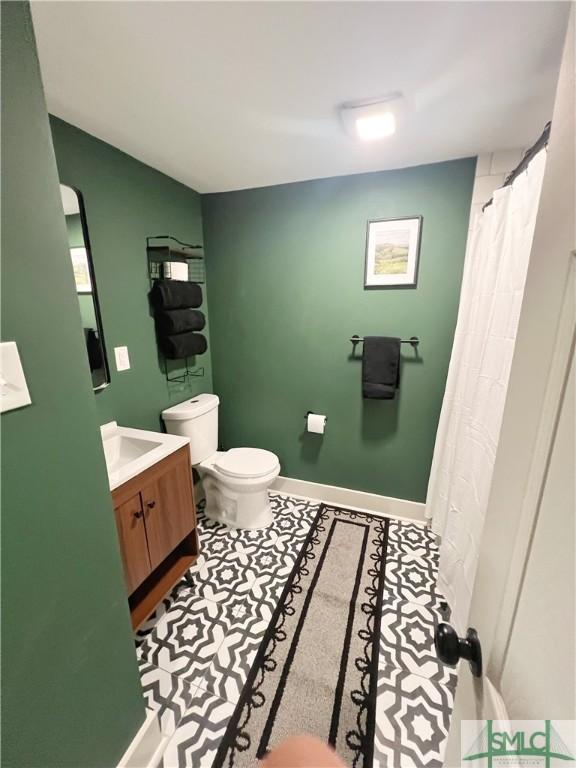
(232, 95)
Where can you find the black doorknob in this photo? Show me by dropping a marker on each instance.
(450, 648)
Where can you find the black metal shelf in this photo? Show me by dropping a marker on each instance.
(163, 249)
(188, 373)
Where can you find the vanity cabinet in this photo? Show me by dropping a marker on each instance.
(133, 542)
(156, 521)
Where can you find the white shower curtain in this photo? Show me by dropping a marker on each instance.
(493, 286)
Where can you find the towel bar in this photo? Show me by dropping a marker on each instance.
(413, 340)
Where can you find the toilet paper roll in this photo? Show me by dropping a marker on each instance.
(178, 270)
(316, 422)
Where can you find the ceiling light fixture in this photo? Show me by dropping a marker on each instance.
(376, 126)
(370, 119)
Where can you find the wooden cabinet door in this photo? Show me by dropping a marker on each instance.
(133, 544)
(169, 507)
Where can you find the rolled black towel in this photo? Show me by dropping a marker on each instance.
(175, 294)
(179, 321)
(181, 345)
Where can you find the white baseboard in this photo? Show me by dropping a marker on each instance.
(347, 497)
(147, 747)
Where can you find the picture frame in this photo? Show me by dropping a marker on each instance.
(81, 269)
(392, 252)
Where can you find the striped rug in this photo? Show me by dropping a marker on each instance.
(317, 666)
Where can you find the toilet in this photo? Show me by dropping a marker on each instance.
(235, 482)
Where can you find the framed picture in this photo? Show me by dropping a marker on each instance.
(81, 270)
(392, 252)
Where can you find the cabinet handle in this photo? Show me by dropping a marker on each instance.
(138, 514)
(150, 504)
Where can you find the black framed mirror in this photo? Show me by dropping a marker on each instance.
(81, 257)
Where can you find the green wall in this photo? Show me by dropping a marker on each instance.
(70, 688)
(126, 202)
(87, 314)
(285, 269)
(74, 228)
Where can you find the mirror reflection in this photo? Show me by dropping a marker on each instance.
(85, 285)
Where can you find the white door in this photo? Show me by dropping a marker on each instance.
(524, 592)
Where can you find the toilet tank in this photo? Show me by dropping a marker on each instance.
(197, 419)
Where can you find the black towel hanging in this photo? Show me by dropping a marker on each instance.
(380, 367)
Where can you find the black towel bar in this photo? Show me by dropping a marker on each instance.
(413, 340)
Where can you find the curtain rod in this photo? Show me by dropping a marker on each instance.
(541, 142)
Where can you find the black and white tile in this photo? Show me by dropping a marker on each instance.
(412, 720)
(412, 579)
(168, 695)
(407, 641)
(405, 538)
(225, 576)
(415, 691)
(196, 651)
(229, 669)
(198, 735)
(187, 637)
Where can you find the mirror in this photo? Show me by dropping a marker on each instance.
(85, 285)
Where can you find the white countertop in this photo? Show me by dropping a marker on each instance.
(130, 451)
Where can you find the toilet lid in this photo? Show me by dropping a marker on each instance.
(246, 462)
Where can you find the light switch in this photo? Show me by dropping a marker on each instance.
(122, 359)
(13, 388)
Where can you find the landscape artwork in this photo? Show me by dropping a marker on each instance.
(392, 250)
(81, 270)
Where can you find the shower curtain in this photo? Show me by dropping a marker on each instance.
(468, 432)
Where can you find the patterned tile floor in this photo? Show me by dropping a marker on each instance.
(195, 652)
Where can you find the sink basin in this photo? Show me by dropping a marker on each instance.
(121, 450)
(130, 451)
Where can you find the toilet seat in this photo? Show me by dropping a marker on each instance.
(246, 462)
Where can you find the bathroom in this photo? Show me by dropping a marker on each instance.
(144, 134)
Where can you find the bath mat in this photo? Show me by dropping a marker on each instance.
(317, 666)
